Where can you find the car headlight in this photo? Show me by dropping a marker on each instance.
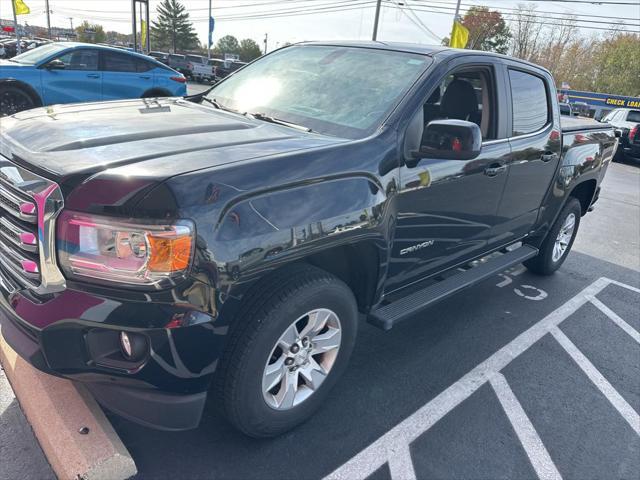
(125, 252)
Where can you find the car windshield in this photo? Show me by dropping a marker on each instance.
(38, 54)
(341, 91)
(633, 116)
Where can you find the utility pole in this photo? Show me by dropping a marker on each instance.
(455, 15)
(46, 4)
(377, 19)
(134, 26)
(455, 19)
(15, 21)
(266, 37)
(71, 21)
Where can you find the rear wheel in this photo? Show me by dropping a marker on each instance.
(559, 240)
(14, 100)
(290, 346)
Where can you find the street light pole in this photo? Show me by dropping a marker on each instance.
(377, 19)
(266, 37)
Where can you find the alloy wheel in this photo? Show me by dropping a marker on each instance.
(301, 359)
(564, 237)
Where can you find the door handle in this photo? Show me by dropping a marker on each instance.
(93, 75)
(495, 169)
(146, 77)
(548, 156)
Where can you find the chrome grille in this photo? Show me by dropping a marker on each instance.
(29, 205)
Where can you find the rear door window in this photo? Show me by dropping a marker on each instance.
(119, 62)
(531, 109)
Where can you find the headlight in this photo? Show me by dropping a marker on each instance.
(125, 252)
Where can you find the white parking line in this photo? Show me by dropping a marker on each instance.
(527, 434)
(393, 445)
(613, 316)
(618, 402)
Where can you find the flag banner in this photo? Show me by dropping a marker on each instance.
(143, 35)
(21, 8)
(459, 35)
(212, 25)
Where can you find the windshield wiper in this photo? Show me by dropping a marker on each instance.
(218, 105)
(267, 118)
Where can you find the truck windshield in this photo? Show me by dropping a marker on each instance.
(341, 91)
(38, 54)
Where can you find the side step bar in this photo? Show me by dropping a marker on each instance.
(387, 316)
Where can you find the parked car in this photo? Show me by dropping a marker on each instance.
(160, 56)
(580, 109)
(223, 68)
(565, 108)
(627, 122)
(151, 251)
(179, 63)
(199, 68)
(77, 72)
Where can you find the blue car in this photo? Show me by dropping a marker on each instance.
(77, 72)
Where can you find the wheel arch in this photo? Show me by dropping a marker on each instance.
(156, 92)
(584, 192)
(13, 82)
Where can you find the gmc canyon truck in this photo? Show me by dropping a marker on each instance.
(162, 250)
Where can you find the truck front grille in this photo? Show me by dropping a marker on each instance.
(29, 205)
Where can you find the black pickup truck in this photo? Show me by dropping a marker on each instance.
(160, 250)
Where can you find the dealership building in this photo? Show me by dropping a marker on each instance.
(599, 103)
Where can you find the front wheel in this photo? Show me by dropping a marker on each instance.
(290, 346)
(14, 100)
(558, 242)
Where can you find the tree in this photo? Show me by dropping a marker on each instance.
(616, 67)
(173, 29)
(227, 44)
(526, 29)
(249, 50)
(91, 33)
(487, 30)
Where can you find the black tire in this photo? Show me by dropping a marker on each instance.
(281, 299)
(14, 100)
(544, 263)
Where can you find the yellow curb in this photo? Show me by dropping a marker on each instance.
(57, 410)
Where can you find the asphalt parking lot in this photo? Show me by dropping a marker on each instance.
(193, 88)
(518, 377)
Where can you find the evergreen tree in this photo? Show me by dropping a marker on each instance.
(173, 29)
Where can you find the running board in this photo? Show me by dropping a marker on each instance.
(387, 316)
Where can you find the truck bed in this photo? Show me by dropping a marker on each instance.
(573, 124)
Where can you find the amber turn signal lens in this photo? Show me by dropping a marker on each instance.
(169, 254)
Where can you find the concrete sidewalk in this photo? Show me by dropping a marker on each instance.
(20, 453)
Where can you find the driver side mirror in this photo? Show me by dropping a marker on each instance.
(450, 139)
(55, 64)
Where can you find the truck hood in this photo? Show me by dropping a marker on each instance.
(159, 138)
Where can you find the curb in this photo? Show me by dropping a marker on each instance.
(57, 410)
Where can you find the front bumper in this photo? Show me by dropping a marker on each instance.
(166, 390)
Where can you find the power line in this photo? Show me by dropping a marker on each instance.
(501, 9)
(533, 21)
(533, 14)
